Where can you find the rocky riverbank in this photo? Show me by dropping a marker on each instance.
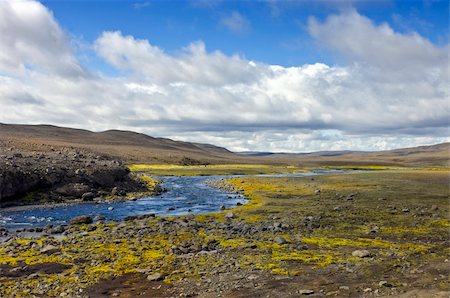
(62, 174)
(349, 235)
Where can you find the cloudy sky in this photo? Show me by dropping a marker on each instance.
(290, 76)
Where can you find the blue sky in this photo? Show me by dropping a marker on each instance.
(274, 31)
(289, 76)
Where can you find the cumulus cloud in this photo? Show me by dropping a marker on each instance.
(358, 38)
(382, 99)
(31, 39)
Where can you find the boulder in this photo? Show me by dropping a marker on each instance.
(73, 190)
(361, 253)
(280, 240)
(82, 219)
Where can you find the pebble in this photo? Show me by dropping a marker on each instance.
(306, 292)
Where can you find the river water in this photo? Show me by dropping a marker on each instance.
(185, 195)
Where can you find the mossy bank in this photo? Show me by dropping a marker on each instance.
(346, 235)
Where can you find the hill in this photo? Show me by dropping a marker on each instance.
(133, 147)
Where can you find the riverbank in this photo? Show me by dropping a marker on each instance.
(346, 235)
(64, 175)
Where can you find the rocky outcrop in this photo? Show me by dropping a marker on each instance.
(56, 175)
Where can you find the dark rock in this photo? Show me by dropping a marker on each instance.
(82, 219)
(73, 189)
(88, 196)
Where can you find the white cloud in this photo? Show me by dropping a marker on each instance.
(31, 39)
(204, 96)
(235, 22)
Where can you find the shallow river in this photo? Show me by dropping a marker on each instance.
(185, 195)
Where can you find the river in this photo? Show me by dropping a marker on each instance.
(185, 195)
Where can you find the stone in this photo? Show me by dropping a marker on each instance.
(280, 240)
(317, 191)
(229, 215)
(222, 207)
(82, 219)
(306, 292)
(73, 190)
(384, 283)
(361, 253)
(49, 249)
(88, 196)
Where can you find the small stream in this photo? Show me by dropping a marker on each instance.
(185, 195)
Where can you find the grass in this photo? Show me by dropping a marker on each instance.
(206, 170)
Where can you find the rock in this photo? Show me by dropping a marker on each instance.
(115, 191)
(361, 253)
(306, 292)
(88, 196)
(384, 283)
(99, 217)
(73, 190)
(82, 219)
(229, 215)
(434, 208)
(405, 210)
(170, 209)
(49, 249)
(280, 240)
(57, 230)
(110, 208)
(345, 288)
(238, 204)
(222, 207)
(317, 191)
(374, 230)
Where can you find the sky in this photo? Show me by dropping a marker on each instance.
(280, 76)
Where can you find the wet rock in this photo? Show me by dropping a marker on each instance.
(222, 207)
(361, 253)
(82, 219)
(99, 218)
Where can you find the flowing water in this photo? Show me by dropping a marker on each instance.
(185, 195)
